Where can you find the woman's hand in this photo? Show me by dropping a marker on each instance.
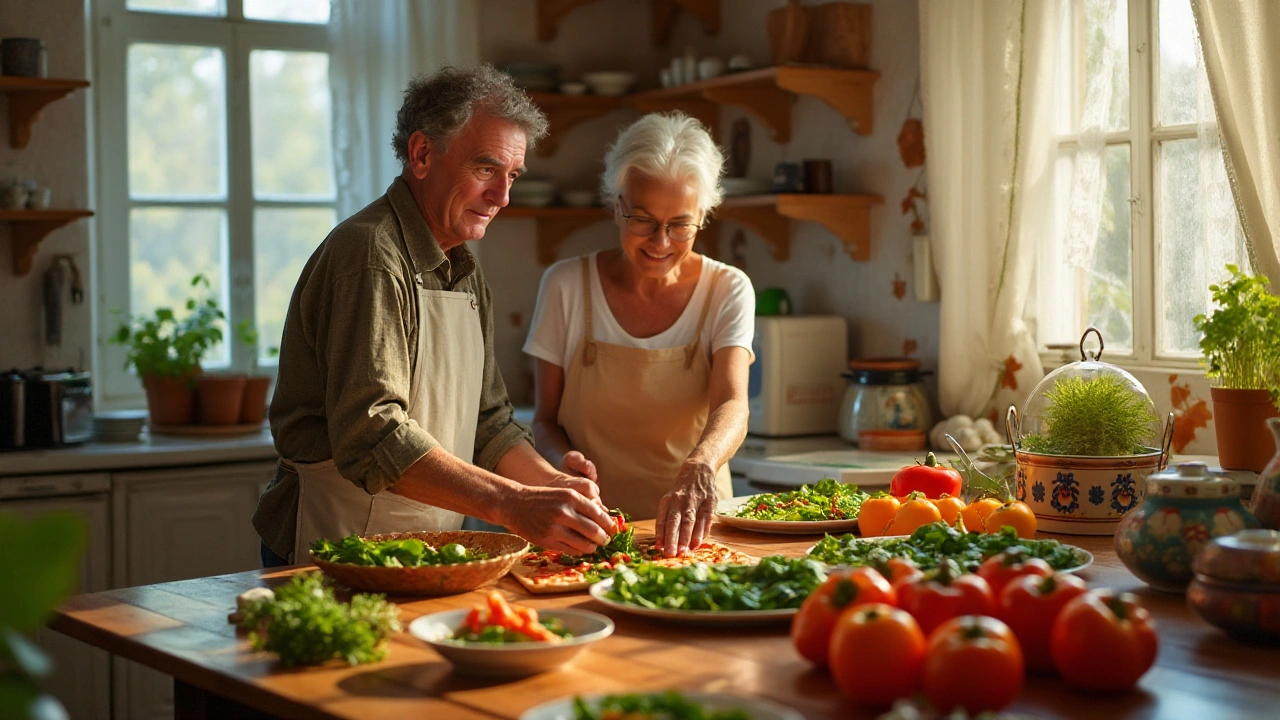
(684, 514)
(575, 463)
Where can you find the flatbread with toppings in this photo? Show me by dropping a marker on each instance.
(548, 571)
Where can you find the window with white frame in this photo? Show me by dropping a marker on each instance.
(1144, 215)
(214, 148)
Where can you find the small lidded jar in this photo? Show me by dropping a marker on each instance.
(886, 406)
(1237, 585)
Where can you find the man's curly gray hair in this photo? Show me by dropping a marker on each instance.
(440, 105)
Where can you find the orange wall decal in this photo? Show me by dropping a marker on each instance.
(1189, 414)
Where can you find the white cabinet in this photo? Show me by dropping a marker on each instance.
(177, 524)
(81, 677)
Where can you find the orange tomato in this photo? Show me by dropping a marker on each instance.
(876, 514)
(945, 593)
(1030, 605)
(898, 570)
(877, 654)
(916, 512)
(949, 507)
(975, 513)
(811, 629)
(1103, 640)
(999, 569)
(1015, 514)
(974, 663)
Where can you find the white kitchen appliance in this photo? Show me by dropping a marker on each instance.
(795, 386)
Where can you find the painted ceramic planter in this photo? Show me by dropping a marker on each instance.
(1185, 508)
(1083, 495)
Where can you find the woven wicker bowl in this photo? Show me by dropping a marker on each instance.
(503, 549)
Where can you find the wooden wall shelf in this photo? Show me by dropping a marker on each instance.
(565, 111)
(848, 216)
(32, 226)
(555, 224)
(665, 12)
(27, 97)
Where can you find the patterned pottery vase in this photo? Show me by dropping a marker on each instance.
(1185, 508)
(1237, 585)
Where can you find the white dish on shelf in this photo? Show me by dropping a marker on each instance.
(610, 83)
(578, 198)
(734, 187)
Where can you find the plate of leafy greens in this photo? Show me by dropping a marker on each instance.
(768, 592)
(827, 506)
(419, 563)
(669, 704)
(930, 544)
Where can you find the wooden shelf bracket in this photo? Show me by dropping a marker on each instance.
(27, 97)
(766, 103)
(764, 219)
(549, 13)
(30, 227)
(849, 218)
(552, 231)
(848, 91)
(565, 111)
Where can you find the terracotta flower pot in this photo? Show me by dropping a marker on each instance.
(1240, 420)
(220, 397)
(170, 400)
(253, 406)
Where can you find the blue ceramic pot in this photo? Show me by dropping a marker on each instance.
(1185, 507)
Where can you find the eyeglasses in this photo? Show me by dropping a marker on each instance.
(642, 226)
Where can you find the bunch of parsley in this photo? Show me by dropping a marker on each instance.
(305, 625)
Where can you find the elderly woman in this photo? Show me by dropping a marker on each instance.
(642, 350)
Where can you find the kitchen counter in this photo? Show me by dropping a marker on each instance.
(149, 451)
(180, 628)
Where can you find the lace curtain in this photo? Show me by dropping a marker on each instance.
(377, 46)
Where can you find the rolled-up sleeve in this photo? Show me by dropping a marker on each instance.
(497, 430)
(368, 361)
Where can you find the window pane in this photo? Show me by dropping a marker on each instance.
(1196, 239)
(1177, 63)
(289, 103)
(177, 121)
(1100, 293)
(303, 11)
(182, 7)
(169, 246)
(1092, 74)
(283, 239)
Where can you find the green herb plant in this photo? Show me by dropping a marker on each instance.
(305, 625)
(1098, 416)
(410, 552)
(166, 345)
(1241, 335)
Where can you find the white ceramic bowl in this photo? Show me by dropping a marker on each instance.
(745, 186)
(610, 83)
(535, 192)
(514, 659)
(578, 198)
(573, 88)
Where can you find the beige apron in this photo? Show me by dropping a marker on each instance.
(444, 399)
(637, 413)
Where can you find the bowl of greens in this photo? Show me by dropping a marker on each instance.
(419, 563)
(827, 506)
(669, 704)
(494, 647)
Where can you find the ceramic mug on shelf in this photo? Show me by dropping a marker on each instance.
(21, 56)
(15, 197)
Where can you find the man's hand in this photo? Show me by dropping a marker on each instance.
(575, 463)
(684, 514)
(559, 518)
(581, 485)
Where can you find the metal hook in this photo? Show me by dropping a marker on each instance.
(1097, 355)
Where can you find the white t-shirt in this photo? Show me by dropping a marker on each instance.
(558, 324)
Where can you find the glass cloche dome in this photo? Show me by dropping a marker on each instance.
(1088, 408)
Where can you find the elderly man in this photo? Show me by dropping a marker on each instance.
(388, 389)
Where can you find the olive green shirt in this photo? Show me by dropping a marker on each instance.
(350, 339)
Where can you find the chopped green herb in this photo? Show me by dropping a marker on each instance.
(928, 545)
(827, 500)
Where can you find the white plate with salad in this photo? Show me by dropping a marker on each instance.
(825, 507)
(926, 548)
(704, 706)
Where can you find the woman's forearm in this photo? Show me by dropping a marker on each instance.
(726, 428)
(551, 441)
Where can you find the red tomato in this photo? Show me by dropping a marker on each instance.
(999, 569)
(812, 626)
(899, 570)
(973, 662)
(877, 654)
(945, 593)
(1103, 640)
(928, 477)
(1030, 604)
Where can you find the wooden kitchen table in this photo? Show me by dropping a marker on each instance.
(181, 629)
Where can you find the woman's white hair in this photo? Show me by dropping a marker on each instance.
(666, 147)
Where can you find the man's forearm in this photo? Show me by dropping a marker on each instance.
(444, 480)
(524, 465)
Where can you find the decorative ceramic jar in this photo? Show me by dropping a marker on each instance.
(885, 406)
(1082, 494)
(1237, 585)
(1265, 502)
(1185, 507)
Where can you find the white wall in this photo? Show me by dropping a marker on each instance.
(57, 156)
(820, 276)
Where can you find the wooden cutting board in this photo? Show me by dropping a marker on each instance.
(835, 34)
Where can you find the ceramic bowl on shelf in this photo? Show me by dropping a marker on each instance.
(745, 186)
(533, 192)
(610, 83)
(573, 88)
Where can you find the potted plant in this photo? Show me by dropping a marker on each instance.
(1085, 443)
(1241, 346)
(253, 406)
(166, 351)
